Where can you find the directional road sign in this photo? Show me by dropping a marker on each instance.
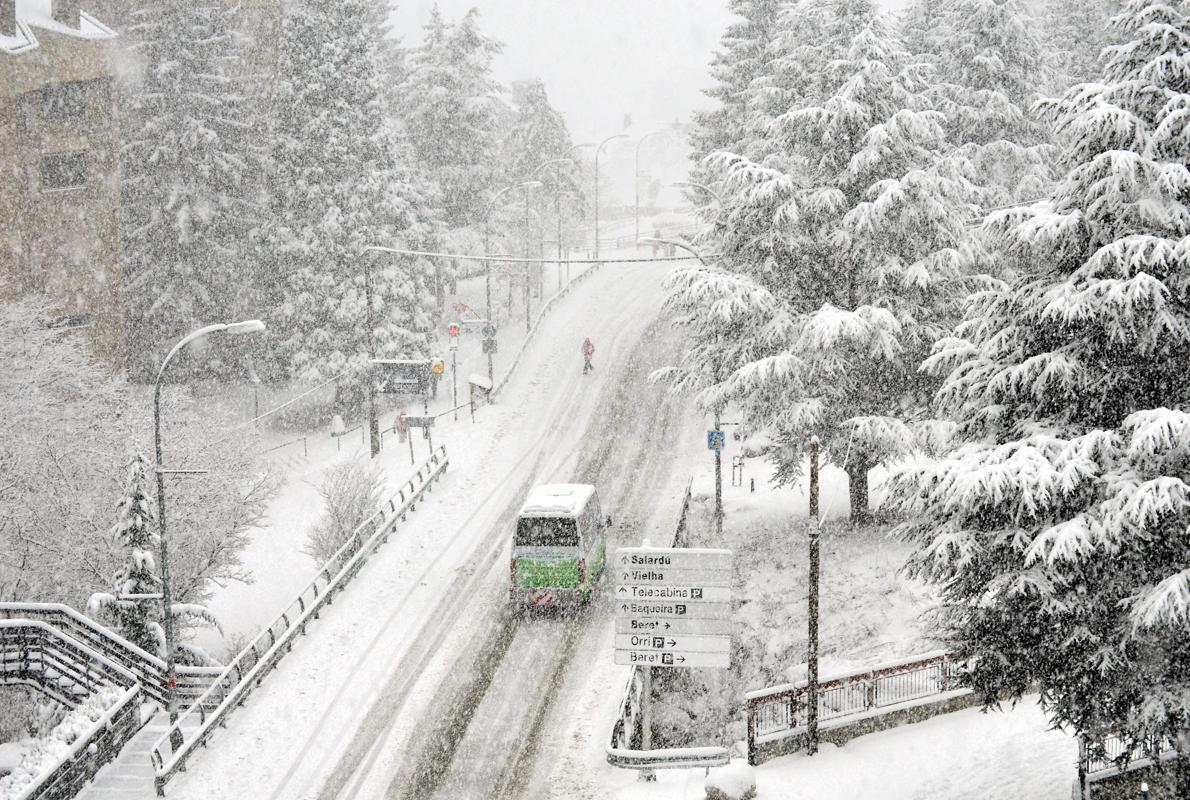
(673, 606)
(675, 557)
(653, 658)
(709, 594)
(673, 644)
(717, 627)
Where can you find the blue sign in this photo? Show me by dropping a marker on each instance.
(716, 440)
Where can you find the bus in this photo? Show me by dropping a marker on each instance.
(558, 547)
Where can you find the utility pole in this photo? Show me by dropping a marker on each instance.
(558, 219)
(718, 489)
(528, 266)
(812, 655)
(373, 422)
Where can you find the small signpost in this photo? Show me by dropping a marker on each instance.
(453, 330)
(481, 389)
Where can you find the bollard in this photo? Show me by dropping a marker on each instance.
(753, 482)
(1144, 791)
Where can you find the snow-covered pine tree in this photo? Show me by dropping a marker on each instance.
(339, 187)
(850, 235)
(449, 107)
(134, 605)
(190, 177)
(1058, 532)
(986, 69)
(1074, 33)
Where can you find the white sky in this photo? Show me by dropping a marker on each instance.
(600, 59)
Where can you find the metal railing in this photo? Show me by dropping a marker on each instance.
(302, 439)
(248, 670)
(780, 711)
(626, 738)
(1122, 753)
(36, 653)
(148, 669)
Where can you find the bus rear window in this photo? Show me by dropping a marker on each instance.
(546, 532)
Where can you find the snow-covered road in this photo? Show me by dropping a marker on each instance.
(370, 670)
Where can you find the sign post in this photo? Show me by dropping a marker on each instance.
(425, 423)
(453, 330)
(673, 609)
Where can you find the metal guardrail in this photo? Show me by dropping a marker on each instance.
(779, 711)
(38, 654)
(248, 670)
(302, 439)
(626, 738)
(148, 669)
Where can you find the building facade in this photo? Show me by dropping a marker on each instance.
(59, 165)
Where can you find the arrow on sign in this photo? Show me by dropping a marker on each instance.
(622, 590)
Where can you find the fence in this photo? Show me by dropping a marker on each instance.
(36, 653)
(627, 730)
(148, 669)
(248, 670)
(1123, 754)
(780, 711)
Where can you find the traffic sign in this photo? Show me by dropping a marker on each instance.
(418, 422)
(453, 329)
(713, 594)
(676, 557)
(674, 643)
(673, 607)
(658, 576)
(716, 440)
(664, 609)
(652, 658)
(715, 627)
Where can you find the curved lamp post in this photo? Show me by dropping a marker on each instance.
(556, 162)
(171, 698)
(597, 150)
(636, 172)
(703, 187)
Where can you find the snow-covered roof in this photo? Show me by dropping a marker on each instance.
(558, 498)
(33, 14)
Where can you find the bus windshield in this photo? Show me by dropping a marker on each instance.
(546, 532)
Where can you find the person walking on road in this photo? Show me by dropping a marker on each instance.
(588, 351)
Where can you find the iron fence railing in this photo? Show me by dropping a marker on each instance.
(148, 669)
(1123, 753)
(38, 654)
(248, 670)
(781, 711)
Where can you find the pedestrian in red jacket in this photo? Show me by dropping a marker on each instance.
(588, 351)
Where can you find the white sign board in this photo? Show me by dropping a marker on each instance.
(673, 607)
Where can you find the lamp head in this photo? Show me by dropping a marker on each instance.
(247, 326)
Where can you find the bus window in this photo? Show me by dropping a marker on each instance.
(546, 532)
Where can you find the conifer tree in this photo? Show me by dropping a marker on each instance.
(449, 108)
(849, 236)
(134, 605)
(190, 181)
(1057, 530)
(341, 186)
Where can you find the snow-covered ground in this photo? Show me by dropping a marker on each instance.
(965, 755)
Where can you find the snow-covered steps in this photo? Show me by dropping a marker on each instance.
(130, 775)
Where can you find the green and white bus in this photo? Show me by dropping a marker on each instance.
(559, 546)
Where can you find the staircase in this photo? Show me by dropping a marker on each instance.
(130, 776)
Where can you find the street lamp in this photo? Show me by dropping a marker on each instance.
(557, 162)
(703, 187)
(171, 699)
(597, 150)
(636, 173)
(486, 250)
